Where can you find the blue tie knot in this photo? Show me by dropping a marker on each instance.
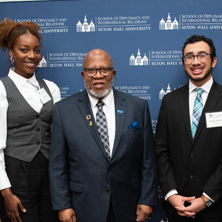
(199, 91)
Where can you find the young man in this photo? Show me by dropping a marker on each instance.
(189, 139)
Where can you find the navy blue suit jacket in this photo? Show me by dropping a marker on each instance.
(81, 175)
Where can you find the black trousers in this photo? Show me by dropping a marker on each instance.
(30, 183)
(3, 215)
(198, 218)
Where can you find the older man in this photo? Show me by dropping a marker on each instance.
(102, 159)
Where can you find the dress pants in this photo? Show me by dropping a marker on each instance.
(30, 183)
(3, 214)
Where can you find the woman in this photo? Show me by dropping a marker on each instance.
(25, 116)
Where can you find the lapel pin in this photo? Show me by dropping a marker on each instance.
(88, 117)
(119, 111)
(90, 123)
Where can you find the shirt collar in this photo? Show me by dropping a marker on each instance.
(107, 100)
(21, 80)
(206, 87)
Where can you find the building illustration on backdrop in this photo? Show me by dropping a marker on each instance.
(85, 27)
(42, 63)
(168, 25)
(138, 60)
(162, 93)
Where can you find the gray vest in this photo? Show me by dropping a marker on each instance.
(28, 132)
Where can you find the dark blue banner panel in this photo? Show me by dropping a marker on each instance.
(144, 38)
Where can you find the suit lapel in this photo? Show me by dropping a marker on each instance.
(87, 115)
(212, 99)
(120, 113)
(184, 104)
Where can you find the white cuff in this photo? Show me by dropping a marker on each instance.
(208, 197)
(170, 193)
(4, 181)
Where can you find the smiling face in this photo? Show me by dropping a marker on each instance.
(98, 85)
(26, 54)
(199, 72)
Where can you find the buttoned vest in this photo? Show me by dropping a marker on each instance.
(28, 131)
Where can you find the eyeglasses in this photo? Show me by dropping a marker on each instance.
(104, 71)
(202, 57)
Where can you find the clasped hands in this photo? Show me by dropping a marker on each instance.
(178, 202)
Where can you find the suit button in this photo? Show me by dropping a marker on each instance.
(191, 176)
(107, 191)
(38, 129)
(38, 143)
(37, 116)
(109, 170)
(191, 155)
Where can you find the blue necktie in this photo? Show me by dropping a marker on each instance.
(102, 126)
(197, 111)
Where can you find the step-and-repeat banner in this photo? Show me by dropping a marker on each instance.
(144, 38)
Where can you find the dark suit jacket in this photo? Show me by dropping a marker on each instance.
(81, 175)
(191, 166)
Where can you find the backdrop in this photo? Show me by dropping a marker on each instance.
(143, 37)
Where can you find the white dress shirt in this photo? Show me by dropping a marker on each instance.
(27, 88)
(109, 110)
(192, 95)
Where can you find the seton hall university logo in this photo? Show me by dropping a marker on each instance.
(138, 60)
(85, 27)
(168, 25)
(42, 63)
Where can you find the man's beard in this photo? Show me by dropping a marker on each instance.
(209, 71)
(99, 95)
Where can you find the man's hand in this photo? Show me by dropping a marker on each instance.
(143, 212)
(196, 206)
(67, 215)
(12, 203)
(177, 201)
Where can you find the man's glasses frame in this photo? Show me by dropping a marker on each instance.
(104, 71)
(201, 56)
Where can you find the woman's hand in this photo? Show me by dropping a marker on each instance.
(12, 204)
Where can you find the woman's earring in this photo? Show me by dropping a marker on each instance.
(12, 60)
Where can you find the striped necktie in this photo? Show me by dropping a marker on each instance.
(103, 127)
(197, 111)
